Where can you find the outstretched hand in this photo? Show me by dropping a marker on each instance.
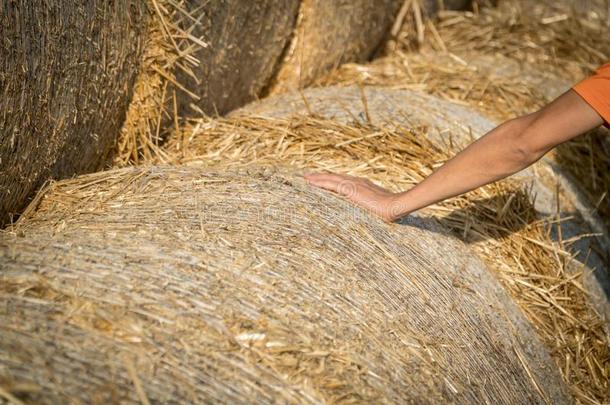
(361, 191)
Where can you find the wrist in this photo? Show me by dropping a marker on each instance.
(400, 205)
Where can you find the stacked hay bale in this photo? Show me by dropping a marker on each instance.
(331, 33)
(389, 141)
(200, 286)
(201, 58)
(208, 58)
(65, 100)
(67, 70)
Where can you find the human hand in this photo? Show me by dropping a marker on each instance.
(362, 192)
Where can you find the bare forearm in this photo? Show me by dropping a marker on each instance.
(505, 150)
(495, 156)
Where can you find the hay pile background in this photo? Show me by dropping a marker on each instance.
(60, 115)
(178, 284)
(330, 33)
(499, 221)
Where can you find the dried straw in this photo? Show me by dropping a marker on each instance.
(546, 35)
(153, 106)
(499, 221)
(494, 85)
(175, 284)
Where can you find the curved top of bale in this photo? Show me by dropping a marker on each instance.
(66, 74)
(172, 283)
(330, 33)
(375, 105)
(245, 40)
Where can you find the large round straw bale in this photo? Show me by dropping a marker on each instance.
(330, 33)
(178, 284)
(66, 75)
(454, 126)
(244, 40)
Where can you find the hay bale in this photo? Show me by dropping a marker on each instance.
(450, 126)
(330, 33)
(245, 41)
(66, 74)
(160, 283)
(201, 57)
(383, 152)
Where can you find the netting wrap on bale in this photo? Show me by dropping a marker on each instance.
(179, 284)
(66, 74)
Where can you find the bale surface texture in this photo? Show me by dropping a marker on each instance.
(330, 33)
(245, 40)
(66, 74)
(169, 283)
(379, 106)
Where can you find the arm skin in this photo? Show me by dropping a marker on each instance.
(505, 150)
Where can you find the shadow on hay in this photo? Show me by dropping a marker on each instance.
(486, 219)
(496, 217)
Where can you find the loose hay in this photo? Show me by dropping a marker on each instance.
(157, 284)
(499, 220)
(67, 70)
(495, 85)
(150, 111)
(550, 38)
(201, 57)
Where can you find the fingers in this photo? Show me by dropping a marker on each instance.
(364, 193)
(338, 183)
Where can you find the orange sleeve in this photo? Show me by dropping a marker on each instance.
(596, 91)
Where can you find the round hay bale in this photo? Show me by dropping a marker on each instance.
(67, 70)
(330, 33)
(452, 126)
(160, 283)
(201, 57)
(245, 40)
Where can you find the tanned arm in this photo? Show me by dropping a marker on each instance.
(505, 150)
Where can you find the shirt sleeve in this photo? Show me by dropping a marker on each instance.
(595, 90)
